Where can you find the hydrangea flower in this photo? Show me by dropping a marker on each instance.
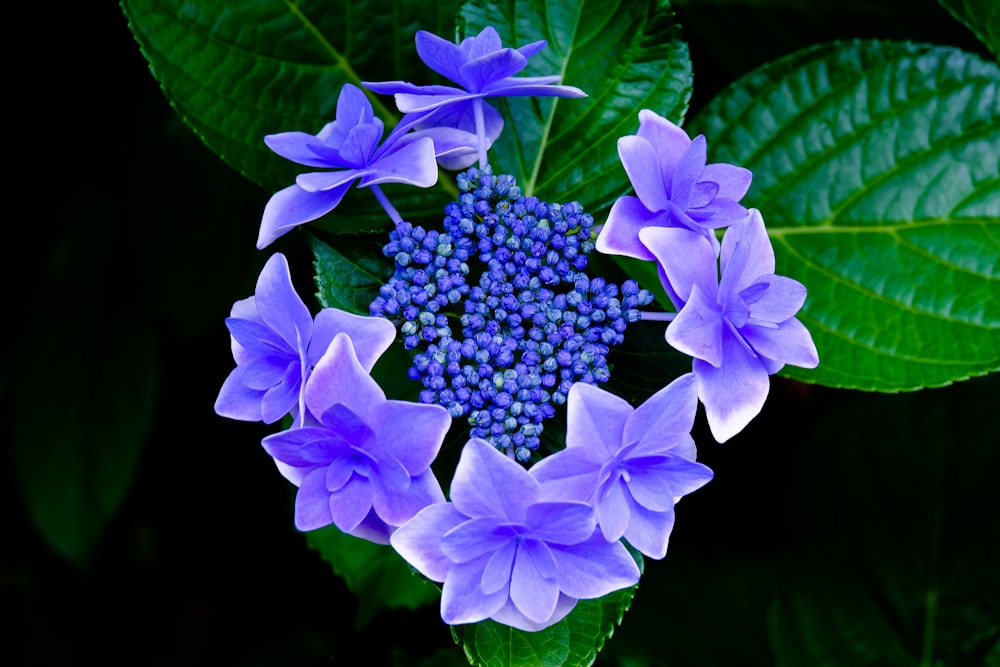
(631, 464)
(349, 146)
(505, 552)
(276, 342)
(739, 328)
(482, 68)
(674, 188)
(365, 466)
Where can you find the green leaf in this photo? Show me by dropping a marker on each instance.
(349, 277)
(236, 72)
(574, 641)
(875, 168)
(625, 55)
(373, 572)
(982, 17)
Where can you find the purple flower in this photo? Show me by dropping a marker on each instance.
(482, 68)
(276, 342)
(365, 466)
(631, 464)
(674, 188)
(349, 146)
(505, 552)
(740, 328)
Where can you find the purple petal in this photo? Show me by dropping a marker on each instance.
(489, 68)
(412, 163)
(620, 234)
(570, 474)
(665, 418)
(339, 472)
(488, 484)
(753, 236)
(643, 168)
(325, 181)
(719, 212)
(462, 598)
(612, 510)
(496, 574)
(373, 529)
(486, 42)
(529, 50)
(353, 108)
(305, 447)
(510, 615)
(439, 54)
(649, 531)
(534, 584)
(595, 418)
(340, 378)
(687, 259)
(236, 401)
(687, 172)
(360, 144)
(425, 100)
(405, 87)
(418, 541)
(396, 508)
(279, 305)
(561, 522)
(698, 329)
(791, 343)
(282, 398)
(410, 432)
(671, 141)
(262, 373)
(295, 146)
(294, 206)
(370, 336)
(733, 393)
(733, 181)
(516, 86)
(312, 502)
(702, 193)
(350, 504)
(777, 300)
(658, 487)
(594, 568)
(474, 538)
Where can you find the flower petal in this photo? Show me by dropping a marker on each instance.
(688, 172)
(733, 181)
(370, 336)
(496, 574)
(340, 378)
(398, 507)
(294, 206)
(612, 510)
(373, 529)
(411, 162)
(570, 474)
(687, 259)
(410, 432)
(620, 234)
(440, 55)
(658, 487)
(752, 234)
(791, 343)
(665, 418)
(642, 165)
(734, 392)
(779, 298)
(594, 568)
(474, 538)
(280, 306)
(351, 504)
(698, 329)
(534, 584)
(489, 68)
(671, 141)
(418, 541)
(294, 146)
(462, 597)
(649, 531)
(595, 419)
(488, 484)
(237, 401)
(510, 615)
(312, 502)
(561, 522)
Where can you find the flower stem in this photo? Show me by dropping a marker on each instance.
(477, 109)
(382, 199)
(657, 317)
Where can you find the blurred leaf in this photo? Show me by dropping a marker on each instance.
(349, 277)
(236, 72)
(875, 167)
(575, 640)
(625, 55)
(373, 572)
(982, 17)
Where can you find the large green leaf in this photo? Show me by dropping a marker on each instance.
(626, 56)
(373, 572)
(875, 168)
(236, 72)
(349, 276)
(981, 16)
(574, 641)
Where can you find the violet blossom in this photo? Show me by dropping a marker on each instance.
(674, 188)
(482, 67)
(349, 146)
(365, 465)
(506, 552)
(276, 342)
(739, 328)
(632, 465)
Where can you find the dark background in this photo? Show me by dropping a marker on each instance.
(122, 226)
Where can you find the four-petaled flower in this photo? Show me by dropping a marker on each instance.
(674, 188)
(276, 342)
(505, 552)
(350, 147)
(366, 465)
(483, 68)
(739, 328)
(631, 464)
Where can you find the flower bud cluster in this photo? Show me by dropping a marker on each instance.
(508, 273)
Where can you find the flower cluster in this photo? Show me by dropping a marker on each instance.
(532, 322)
(506, 329)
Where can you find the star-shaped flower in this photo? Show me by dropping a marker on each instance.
(276, 342)
(739, 328)
(365, 465)
(482, 67)
(674, 188)
(505, 552)
(349, 146)
(632, 465)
